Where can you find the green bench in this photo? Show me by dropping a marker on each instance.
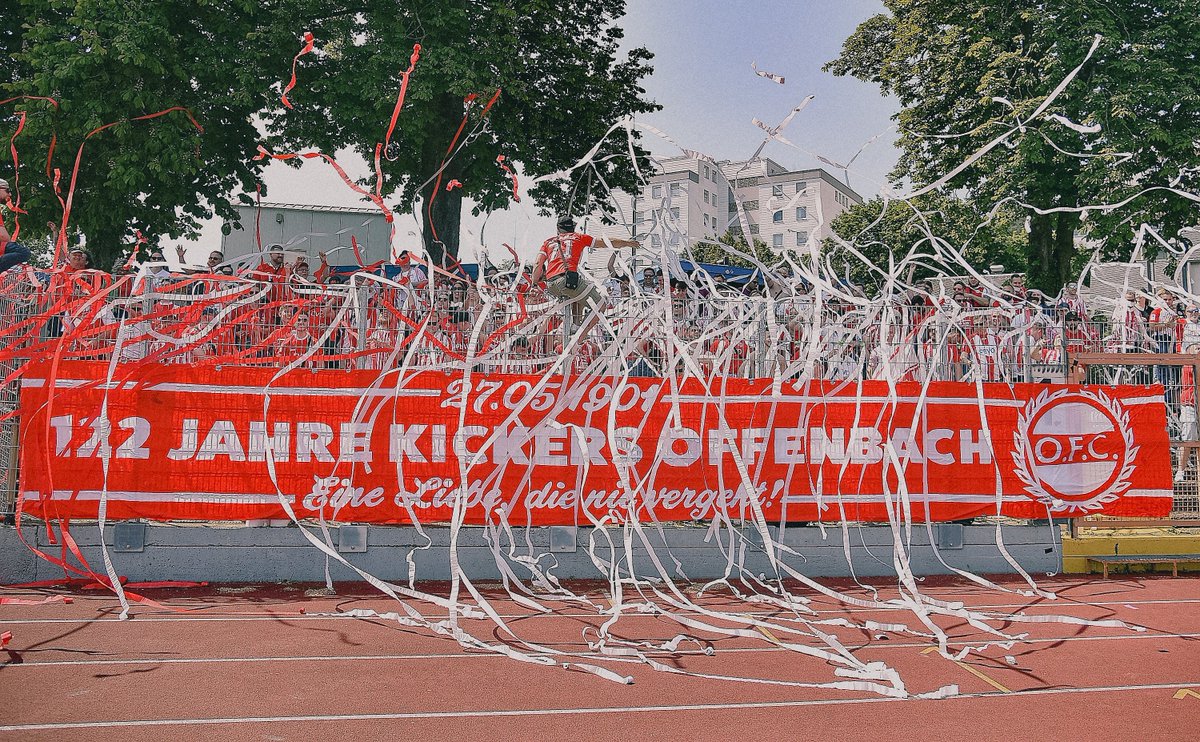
(1104, 560)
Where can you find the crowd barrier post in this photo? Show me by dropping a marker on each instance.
(361, 321)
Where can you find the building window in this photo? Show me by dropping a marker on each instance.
(656, 191)
(676, 189)
(801, 186)
(706, 172)
(802, 238)
(706, 197)
(777, 190)
(777, 217)
(675, 212)
(655, 241)
(639, 217)
(706, 220)
(777, 240)
(801, 213)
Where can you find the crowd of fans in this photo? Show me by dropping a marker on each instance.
(280, 310)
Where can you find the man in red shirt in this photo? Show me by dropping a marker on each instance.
(558, 264)
(273, 268)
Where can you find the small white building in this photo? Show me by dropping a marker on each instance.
(309, 230)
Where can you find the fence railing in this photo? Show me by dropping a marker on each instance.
(1179, 374)
(366, 324)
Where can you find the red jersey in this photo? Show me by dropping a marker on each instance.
(277, 277)
(293, 345)
(267, 272)
(564, 251)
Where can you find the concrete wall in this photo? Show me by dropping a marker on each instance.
(241, 554)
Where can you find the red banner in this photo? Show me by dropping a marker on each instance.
(238, 443)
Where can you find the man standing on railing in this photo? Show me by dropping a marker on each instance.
(558, 264)
(11, 253)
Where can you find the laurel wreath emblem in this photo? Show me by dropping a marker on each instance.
(1023, 452)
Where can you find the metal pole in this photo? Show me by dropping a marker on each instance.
(360, 322)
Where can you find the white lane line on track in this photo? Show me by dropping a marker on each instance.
(579, 655)
(1058, 607)
(309, 718)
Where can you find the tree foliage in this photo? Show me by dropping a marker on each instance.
(921, 237)
(562, 85)
(108, 61)
(718, 252)
(967, 72)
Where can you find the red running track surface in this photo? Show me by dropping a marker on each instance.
(253, 662)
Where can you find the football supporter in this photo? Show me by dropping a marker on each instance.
(558, 265)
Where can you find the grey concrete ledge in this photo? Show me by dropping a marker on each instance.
(242, 553)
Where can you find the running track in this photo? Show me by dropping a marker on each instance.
(254, 663)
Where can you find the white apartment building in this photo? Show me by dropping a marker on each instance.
(688, 198)
(692, 199)
(784, 208)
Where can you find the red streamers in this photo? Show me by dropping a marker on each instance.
(453, 184)
(490, 103)
(12, 144)
(373, 196)
(308, 47)
(137, 247)
(404, 77)
(62, 230)
(358, 258)
(15, 204)
(504, 166)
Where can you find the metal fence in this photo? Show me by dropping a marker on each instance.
(1179, 375)
(649, 330)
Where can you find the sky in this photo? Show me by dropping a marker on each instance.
(710, 94)
(704, 80)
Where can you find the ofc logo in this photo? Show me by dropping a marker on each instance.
(1074, 449)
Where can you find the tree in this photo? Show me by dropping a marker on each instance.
(560, 83)
(108, 61)
(716, 253)
(967, 73)
(115, 60)
(916, 238)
